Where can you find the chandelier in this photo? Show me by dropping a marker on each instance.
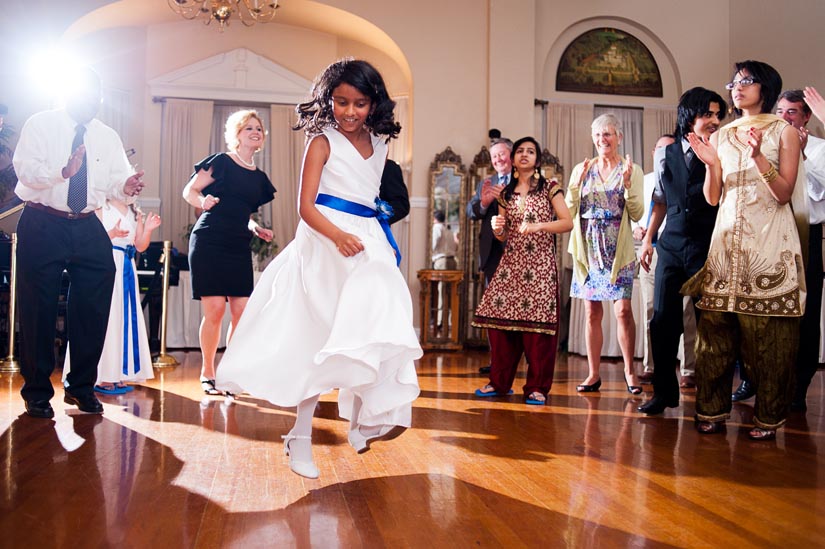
(248, 11)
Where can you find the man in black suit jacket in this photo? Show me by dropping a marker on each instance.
(682, 248)
(394, 191)
(483, 206)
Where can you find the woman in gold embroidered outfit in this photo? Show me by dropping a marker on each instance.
(752, 287)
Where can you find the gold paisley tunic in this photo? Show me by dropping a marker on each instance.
(523, 294)
(754, 265)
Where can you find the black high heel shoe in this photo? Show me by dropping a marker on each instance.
(592, 388)
(632, 389)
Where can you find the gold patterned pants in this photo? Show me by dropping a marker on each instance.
(765, 345)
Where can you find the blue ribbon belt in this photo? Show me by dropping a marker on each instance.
(383, 213)
(129, 309)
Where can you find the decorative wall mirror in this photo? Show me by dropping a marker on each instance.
(551, 168)
(480, 169)
(447, 196)
(442, 297)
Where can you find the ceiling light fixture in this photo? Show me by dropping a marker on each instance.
(248, 11)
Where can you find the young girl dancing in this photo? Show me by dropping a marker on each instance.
(126, 355)
(332, 310)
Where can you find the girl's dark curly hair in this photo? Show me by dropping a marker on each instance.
(534, 187)
(316, 114)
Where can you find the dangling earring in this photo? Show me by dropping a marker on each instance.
(536, 175)
(515, 174)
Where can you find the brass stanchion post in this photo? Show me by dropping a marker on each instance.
(8, 364)
(164, 360)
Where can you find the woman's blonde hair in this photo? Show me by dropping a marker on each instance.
(605, 120)
(235, 123)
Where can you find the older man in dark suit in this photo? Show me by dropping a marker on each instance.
(483, 206)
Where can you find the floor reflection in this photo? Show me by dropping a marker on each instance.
(166, 465)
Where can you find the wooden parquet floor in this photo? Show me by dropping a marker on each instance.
(166, 467)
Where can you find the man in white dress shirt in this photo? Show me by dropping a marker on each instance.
(646, 278)
(67, 163)
(795, 111)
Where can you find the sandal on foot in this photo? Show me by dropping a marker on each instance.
(208, 386)
(536, 398)
(489, 391)
(708, 427)
(757, 433)
(125, 388)
(109, 390)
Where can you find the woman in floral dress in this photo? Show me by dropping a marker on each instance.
(604, 196)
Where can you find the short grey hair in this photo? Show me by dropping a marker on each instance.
(502, 141)
(605, 120)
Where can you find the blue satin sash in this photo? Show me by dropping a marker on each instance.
(129, 309)
(383, 213)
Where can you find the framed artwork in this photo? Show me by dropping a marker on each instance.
(608, 61)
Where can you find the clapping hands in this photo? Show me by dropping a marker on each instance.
(627, 172)
(703, 149)
(816, 102)
(151, 221)
(117, 232)
(489, 193)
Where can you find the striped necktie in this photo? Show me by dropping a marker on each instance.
(76, 199)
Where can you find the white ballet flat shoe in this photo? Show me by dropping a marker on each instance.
(304, 468)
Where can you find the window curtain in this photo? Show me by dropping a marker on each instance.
(568, 134)
(568, 138)
(399, 151)
(286, 149)
(113, 111)
(632, 127)
(664, 120)
(185, 134)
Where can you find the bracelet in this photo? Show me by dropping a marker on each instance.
(770, 175)
(498, 233)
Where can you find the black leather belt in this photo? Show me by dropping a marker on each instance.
(58, 213)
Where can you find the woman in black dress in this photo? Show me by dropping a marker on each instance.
(229, 189)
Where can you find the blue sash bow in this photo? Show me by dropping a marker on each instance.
(383, 213)
(129, 309)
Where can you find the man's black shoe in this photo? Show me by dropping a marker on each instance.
(484, 369)
(39, 408)
(743, 392)
(657, 405)
(85, 403)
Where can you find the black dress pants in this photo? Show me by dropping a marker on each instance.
(48, 244)
(666, 326)
(807, 359)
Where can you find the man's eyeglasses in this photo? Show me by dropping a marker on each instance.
(745, 82)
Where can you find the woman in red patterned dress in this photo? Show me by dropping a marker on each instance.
(520, 307)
